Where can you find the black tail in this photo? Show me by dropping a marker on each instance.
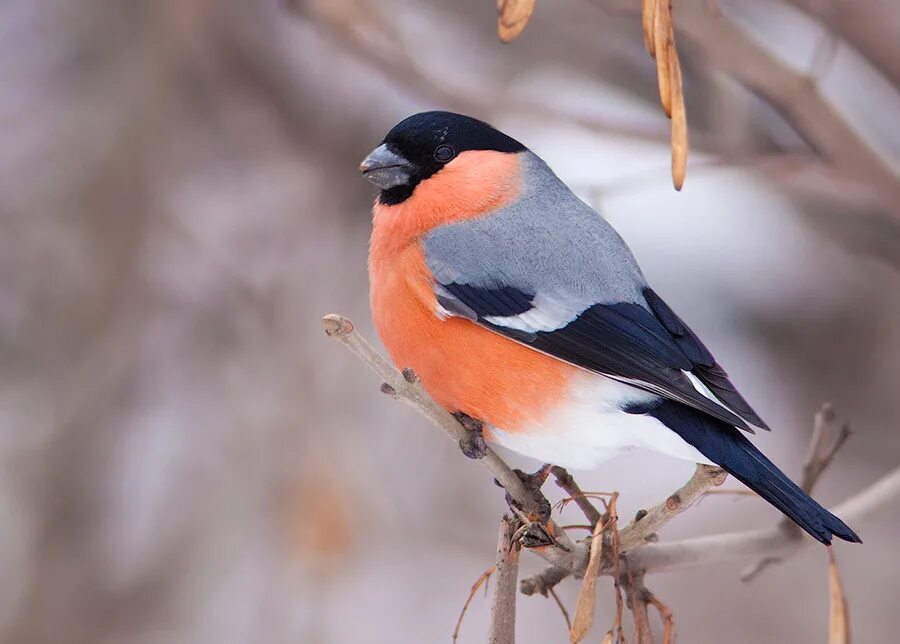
(729, 448)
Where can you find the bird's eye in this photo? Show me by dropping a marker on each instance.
(444, 153)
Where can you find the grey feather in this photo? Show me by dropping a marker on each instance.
(547, 241)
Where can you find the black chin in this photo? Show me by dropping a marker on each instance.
(397, 194)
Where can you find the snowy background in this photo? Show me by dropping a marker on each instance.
(187, 459)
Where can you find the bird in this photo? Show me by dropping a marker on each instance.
(520, 306)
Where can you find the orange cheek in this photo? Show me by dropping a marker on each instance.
(474, 183)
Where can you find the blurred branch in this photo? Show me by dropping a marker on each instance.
(871, 28)
(395, 62)
(796, 96)
(828, 437)
(739, 546)
(724, 46)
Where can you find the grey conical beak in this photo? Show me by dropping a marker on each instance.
(386, 169)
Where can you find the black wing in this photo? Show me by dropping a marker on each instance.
(650, 349)
(705, 368)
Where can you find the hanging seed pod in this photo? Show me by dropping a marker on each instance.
(512, 16)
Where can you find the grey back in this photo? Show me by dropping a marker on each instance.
(548, 242)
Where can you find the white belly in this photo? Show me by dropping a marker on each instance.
(592, 428)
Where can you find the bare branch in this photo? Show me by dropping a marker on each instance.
(637, 602)
(822, 450)
(544, 582)
(728, 47)
(641, 529)
(725, 547)
(412, 393)
(775, 542)
(503, 604)
(406, 387)
(666, 616)
(873, 32)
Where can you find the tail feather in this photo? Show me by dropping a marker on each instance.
(730, 449)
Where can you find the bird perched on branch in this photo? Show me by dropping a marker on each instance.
(520, 306)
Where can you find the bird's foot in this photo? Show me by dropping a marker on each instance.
(533, 483)
(473, 445)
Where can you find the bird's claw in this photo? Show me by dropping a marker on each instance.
(533, 483)
(473, 445)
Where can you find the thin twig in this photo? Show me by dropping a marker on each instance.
(665, 613)
(583, 496)
(725, 547)
(482, 579)
(774, 542)
(562, 609)
(637, 600)
(567, 483)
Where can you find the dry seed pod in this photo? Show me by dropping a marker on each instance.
(663, 38)
(512, 16)
(648, 16)
(679, 121)
(838, 624)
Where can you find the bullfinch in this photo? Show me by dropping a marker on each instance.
(518, 305)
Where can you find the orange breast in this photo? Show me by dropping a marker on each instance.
(463, 366)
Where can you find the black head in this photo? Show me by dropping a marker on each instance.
(420, 145)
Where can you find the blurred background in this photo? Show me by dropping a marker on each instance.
(186, 458)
